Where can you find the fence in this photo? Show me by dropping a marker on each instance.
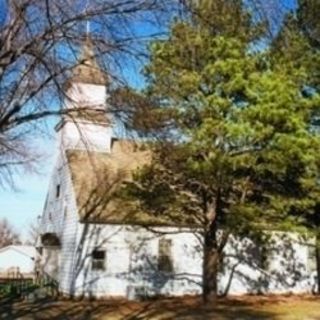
(15, 284)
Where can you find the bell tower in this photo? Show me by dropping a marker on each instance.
(85, 124)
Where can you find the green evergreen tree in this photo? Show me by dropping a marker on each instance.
(308, 20)
(297, 46)
(236, 155)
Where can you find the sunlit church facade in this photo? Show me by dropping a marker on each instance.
(96, 246)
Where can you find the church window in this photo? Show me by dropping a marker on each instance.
(261, 255)
(312, 261)
(165, 261)
(58, 191)
(98, 259)
(264, 255)
(222, 263)
(46, 202)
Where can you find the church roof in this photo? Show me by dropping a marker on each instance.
(96, 176)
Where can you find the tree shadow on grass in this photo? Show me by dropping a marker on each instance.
(164, 309)
(223, 310)
(56, 310)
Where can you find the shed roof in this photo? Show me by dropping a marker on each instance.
(29, 251)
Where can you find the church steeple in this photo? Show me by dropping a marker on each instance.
(87, 69)
(86, 124)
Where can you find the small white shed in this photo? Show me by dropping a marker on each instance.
(17, 259)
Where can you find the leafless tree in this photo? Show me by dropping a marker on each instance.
(39, 48)
(8, 236)
(33, 232)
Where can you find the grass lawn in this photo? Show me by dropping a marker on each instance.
(242, 308)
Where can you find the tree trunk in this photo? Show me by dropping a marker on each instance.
(210, 268)
(318, 261)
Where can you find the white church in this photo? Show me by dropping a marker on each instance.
(95, 246)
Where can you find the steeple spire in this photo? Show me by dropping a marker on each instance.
(87, 69)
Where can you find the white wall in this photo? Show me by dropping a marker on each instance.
(287, 266)
(83, 134)
(87, 136)
(132, 261)
(131, 253)
(63, 222)
(83, 94)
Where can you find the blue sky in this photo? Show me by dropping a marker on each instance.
(23, 206)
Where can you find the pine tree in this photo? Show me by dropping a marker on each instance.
(297, 46)
(238, 154)
(308, 20)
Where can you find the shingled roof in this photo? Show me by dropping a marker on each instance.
(97, 176)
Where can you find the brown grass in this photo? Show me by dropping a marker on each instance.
(187, 308)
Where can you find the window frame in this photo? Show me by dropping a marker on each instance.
(264, 257)
(65, 213)
(165, 261)
(58, 191)
(311, 258)
(96, 261)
